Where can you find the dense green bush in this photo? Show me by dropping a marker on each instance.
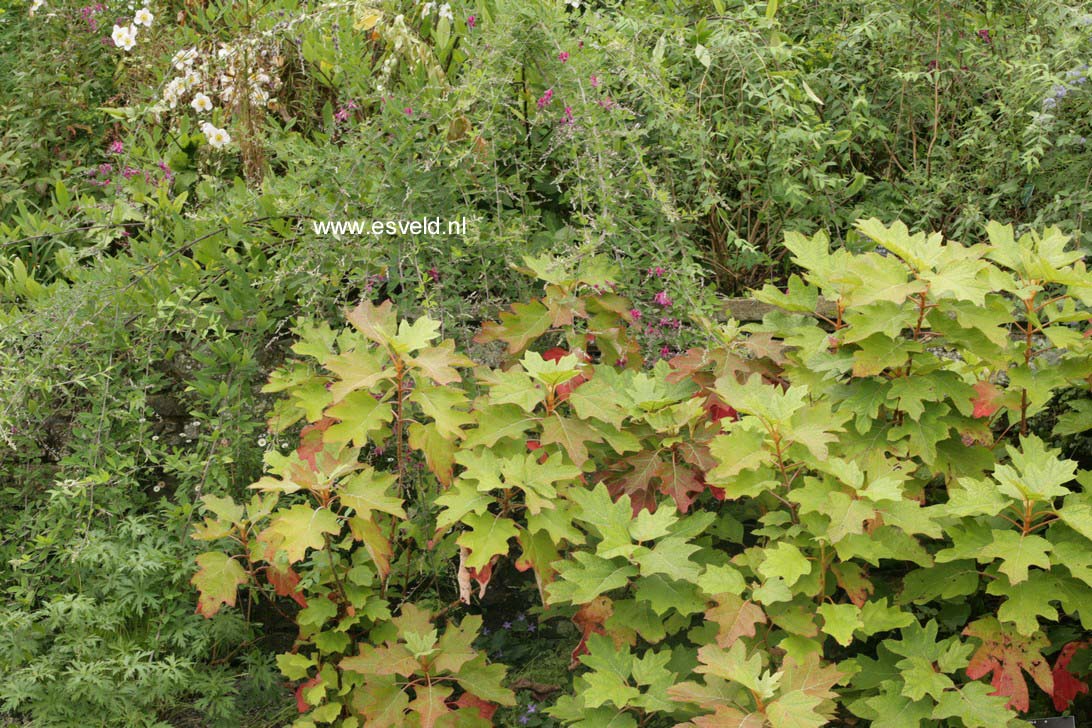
(817, 518)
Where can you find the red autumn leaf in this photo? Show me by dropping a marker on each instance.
(1066, 685)
(485, 709)
(555, 354)
(1007, 655)
(985, 401)
(301, 703)
(633, 475)
(589, 619)
(718, 410)
(482, 575)
(311, 443)
(680, 482)
(284, 583)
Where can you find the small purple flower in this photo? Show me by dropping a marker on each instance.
(563, 56)
(485, 630)
(532, 708)
(522, 617)
(658, 271)
(594, 81)
(130, 172)
(471, 22)
(545, 98)
(506, 625)
(531, 628)
(434, 274)
(665, 351)
(635, 314)
(116, 147)
(662, 299)
(568, 117)
(984, 34)
(524, 719)
(408, 111)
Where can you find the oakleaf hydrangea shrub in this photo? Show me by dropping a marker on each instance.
(816, 519)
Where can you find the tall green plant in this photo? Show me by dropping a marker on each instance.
(815, 517)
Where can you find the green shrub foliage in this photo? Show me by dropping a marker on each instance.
(839, 513)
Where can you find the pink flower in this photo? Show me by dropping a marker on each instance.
(662, 299)
(117, 147)
(471, 21)
(434, 274)
(665, 351)
(563, 56)
(408, 111)
(594, 81)
(568, 118)
(635, 314)
(658, 271)
(984, 34)
(545, 98)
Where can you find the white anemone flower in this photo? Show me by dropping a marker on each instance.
(183, 58)
(36, 6)
(201, 103)
(218, 138)
(124, 36)
(143, 17)
(445, 12)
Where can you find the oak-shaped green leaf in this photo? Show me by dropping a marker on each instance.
(488, 537)
(609, 517)
(671, 556)
(600, 398)
(356, 369)
(458, 500)
(360, 415)
(485, 681)
(518, 328)
(300, 528)
(429, 702)
(438, 363)
(439, 451)
(734, 664)
(894, 710)
(975, 705)
(382, 701)
(795, 709)
(586, 576)
(218, 579)
(513, 387)
(1017, 552)
(366, 491)
(418, 335)
(375, 322)
(840, 621)
(571, 434)
(920, 678)
(1036, 473)
(786, 561)
(445, 406)
(499, 421)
